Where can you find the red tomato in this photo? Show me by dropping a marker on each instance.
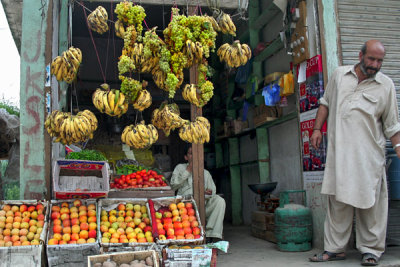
(123, 176)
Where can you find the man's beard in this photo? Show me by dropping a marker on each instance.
(364, 69)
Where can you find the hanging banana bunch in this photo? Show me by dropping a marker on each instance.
(68, 129)
(119, 29)
(194, 52)
(196, 96)
(213, 22)
(65, 67)
(167, 118)
(159, 78)
(112, 102)
(226, 24)
(140, 136)
(197, 132)
(98, 20)
(143, 100)
(234, 55)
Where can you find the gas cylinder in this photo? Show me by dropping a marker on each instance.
(293, 224)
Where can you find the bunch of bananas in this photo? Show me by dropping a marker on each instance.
(140, 136)
(97, 20)
(143, 100)
(213, 22)
(226, 24)
(65, 67)
(119, 29)
(197, 132)
(234, 55)
(167, 118)
(198, 97)
(142, 64)
(112, 102)
(194, 52)
(159, 77)
(68, 129)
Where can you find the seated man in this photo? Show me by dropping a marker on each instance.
(182, 181)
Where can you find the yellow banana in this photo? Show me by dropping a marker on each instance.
(110, 101)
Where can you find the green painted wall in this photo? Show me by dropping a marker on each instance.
(32, 158)
(331, 35)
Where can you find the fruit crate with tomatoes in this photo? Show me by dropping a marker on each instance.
(72, 232)
(177, 221)
(132, 258)
(140, 184)
(124, 224)
(80, 179)
(23, 228)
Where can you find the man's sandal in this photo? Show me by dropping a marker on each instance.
(369, 259)
(331, 257)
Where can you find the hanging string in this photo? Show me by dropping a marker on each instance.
(94, 44)
(113, 36)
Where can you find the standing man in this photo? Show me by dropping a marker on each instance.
(361, 107)
(182, 180)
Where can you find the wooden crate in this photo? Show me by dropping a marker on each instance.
(263, 220)
(125, 257)
(263, 234)
(25, 255)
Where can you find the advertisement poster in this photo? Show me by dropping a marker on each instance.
(313, 88)
(313, 159)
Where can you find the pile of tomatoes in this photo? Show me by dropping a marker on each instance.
(139, 179)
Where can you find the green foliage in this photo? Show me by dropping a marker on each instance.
(11, 191)
(87, 154)
(11, 109)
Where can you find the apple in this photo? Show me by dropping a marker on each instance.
(30, 208)
(57, 228)
(167, 214)
(196, 231)
(162, 237)
(92, 233)
(64, 205)
(77, 203)
(55, 215)
(172, 206)
(84, 226)
(194, 224)
(191, 212)
(91, 207)
(39, 207)
(67, 230)
(66, 237)
(158, 215)
(180, 205)
(23, 208)
(129, 206)
(83, 234)
(121, 207)
(75, 229)
(74, 236)
(52, 242)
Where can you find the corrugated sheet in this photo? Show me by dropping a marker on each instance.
(360, 20)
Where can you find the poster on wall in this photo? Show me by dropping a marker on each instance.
(313, 159)
(313, 88)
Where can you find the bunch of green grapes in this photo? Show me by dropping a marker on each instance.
(125, 64)
(151, 43)
(207, 92)
(178, 61)
(130, 36)
(202, 71)
(130, 87)
(131, 14)
(171, 83)
(165, 59)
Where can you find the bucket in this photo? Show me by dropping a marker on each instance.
(393, 174)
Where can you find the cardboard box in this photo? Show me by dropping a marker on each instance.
(25, 255)
(263, 220)
(70, 255)
(189, 257)
(263, 234)
(80, 179)
(125, 257)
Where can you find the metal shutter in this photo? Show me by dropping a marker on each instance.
(361, 20)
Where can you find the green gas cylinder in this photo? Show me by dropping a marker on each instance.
(293, 224)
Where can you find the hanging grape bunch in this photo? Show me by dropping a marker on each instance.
(130, 14)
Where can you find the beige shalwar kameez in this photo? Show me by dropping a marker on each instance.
(182, 181)
(361, 117)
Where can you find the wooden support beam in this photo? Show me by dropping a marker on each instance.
(236, 188)
(254, 11)
(197, 149)
(268, 14)
(32, 97)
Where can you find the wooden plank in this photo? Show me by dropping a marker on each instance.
(266, 16)
(263, 154)
(225, 4)
(32, 158)
(271, 49)
(236, 195)
(254, 11)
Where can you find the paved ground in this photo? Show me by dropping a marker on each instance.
(246, 250)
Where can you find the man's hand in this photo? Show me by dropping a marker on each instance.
(208, 192)
(316, 138)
